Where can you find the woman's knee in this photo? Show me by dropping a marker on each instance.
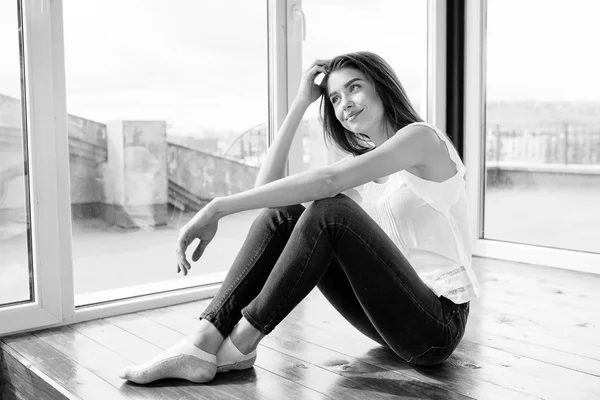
(332, 205)
(280, 214)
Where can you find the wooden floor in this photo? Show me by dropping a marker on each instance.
(535, 334)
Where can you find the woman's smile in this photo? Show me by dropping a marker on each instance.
(353, 115)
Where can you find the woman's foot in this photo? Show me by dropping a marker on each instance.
(193, 358)
(238, 350)
(229, 357)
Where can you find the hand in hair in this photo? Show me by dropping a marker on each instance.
(309, 91)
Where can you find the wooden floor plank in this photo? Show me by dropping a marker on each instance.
(534, 351)
(527, 375)
(9, 392)
(532, 336)
(533, 300)
(20, 375)
(560, 323)
(113, 338)
(74, 378)
(537, 279)
(556, 301)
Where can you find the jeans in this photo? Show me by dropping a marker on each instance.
(336, 246)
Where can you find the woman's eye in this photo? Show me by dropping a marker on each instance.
(352, 87)
(334, 100)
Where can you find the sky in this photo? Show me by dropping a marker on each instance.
(543, 50)
(202, 65)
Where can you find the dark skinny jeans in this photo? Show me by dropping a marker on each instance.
(335, 245)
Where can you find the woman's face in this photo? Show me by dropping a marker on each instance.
(356, 103)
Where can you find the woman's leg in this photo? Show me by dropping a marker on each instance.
(338, 290)
(405, 314)
(194, 357)
(267, 237)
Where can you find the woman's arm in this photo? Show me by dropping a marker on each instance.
(273, 167)
(411, 146)
(298, 188)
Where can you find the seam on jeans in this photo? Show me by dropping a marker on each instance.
(253, 322)
(281, 304)
(244, 273)
(415, 302)
(422, 354)
(210, 317)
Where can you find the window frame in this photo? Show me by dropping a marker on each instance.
(46, 108)
(475, 97)
(40, 127)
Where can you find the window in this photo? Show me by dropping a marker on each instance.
(542, 127)
(16, 272)
(166, 111)
(132, 124)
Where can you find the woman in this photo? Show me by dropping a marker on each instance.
(385, 239)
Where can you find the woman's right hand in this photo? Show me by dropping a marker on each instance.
(308, 91)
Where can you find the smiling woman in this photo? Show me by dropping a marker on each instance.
(414, 297)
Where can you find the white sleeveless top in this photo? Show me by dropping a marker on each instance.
(429, 223)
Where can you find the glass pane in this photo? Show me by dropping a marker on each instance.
(395, 30)
(15, 263)
(543, 123)
(167, 110)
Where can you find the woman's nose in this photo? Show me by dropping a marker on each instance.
(347, 103)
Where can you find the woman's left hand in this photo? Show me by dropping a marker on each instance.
(202, 226)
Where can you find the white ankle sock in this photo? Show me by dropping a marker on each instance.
(230, 357)
(183, 360)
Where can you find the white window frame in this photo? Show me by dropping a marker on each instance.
(436, 63)
(41, 126)
(475, 81)
(46, 109)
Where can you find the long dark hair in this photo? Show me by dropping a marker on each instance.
(398, 111)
